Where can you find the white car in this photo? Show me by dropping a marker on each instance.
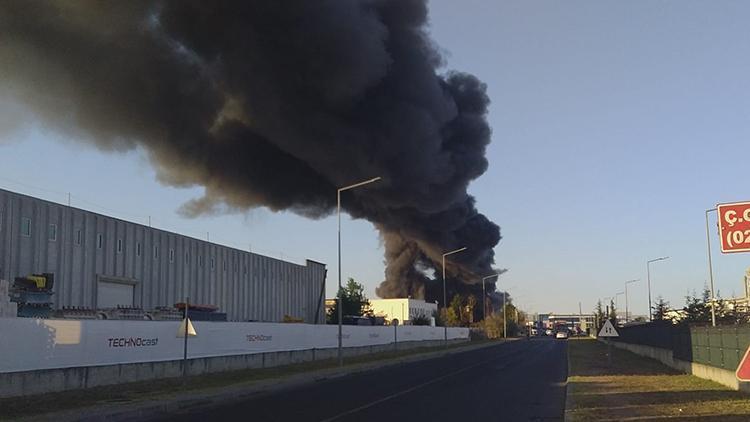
(561, 334)
(548, 332)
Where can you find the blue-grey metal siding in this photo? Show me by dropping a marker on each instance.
(249, 287)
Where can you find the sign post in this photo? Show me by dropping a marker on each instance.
(186, 330)
(394, 323)
(608, 330)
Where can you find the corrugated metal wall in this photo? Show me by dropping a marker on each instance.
(166, 267)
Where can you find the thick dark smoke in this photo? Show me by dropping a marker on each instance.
(273, 104)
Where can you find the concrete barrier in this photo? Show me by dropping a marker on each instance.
(665, 356)
(25, 383)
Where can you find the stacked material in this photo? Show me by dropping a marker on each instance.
(8, 309)
(165, 313)
(33, 294)
(198, 312)
(76, 312)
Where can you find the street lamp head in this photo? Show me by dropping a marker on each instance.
(356, 185)
(658, 259)
(632, 281)
(456, 251)
(490, 276)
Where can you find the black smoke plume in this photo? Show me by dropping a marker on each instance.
(273, 104)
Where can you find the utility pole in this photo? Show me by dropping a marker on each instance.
(627, 311)
(505, 318)
(445, 297)
(710, 271)
(648, 277)
(340, 292)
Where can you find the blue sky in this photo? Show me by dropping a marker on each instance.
(615, 126)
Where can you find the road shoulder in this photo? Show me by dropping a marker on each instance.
(636, 387)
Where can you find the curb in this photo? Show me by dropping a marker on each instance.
(150, 409)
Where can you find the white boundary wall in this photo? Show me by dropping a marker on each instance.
(33, 344)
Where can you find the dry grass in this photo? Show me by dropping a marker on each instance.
(638, 388)
(172, 387)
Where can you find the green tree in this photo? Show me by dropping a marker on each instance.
(452, 315)
(420, 320)
(660, 310)
(697, 309)
(468, 316)
(514, 316)
(599, 317)
(353, 300)
(612, 313)
(493, 326)
(449, 318)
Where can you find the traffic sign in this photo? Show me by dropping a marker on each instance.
(743, 369)
(608, 330)
(189, 330)
(734, 226)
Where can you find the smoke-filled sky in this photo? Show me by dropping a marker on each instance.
(275, 105)
(608, 123)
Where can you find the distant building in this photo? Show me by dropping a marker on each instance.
(330, 303)
(571, 321)
(402, 309)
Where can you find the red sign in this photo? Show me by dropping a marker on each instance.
(734, 226)
(743, 369)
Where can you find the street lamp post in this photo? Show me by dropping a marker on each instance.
(607, 300)
(710, 270)
(338, 216)
(484, 295)
(445, 294)
(618, 294)
(616, 305)
(627, 316)
(648, 275)
(505, 319)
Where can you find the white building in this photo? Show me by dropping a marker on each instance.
(402, 309)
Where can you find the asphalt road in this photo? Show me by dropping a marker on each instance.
(516, 381)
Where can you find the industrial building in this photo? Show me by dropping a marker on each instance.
(403, 309)
(103, 262)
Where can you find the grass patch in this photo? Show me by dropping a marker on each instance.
(637, 388)
(166, 388)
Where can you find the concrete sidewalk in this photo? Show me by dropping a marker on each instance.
(167, 402)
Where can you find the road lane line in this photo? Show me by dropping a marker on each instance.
(418, 386)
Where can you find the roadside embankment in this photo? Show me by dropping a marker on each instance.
(635, 388)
